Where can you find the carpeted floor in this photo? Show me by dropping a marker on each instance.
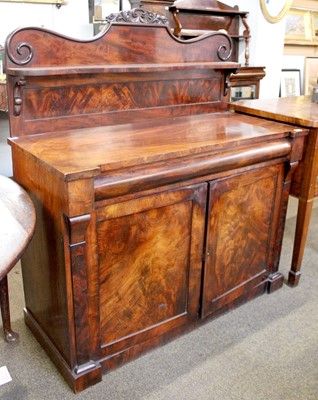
(266, 349)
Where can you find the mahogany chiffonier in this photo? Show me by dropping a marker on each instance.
(302, 112)
(149, 193)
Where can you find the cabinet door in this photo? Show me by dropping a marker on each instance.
(150, 255)
(241, 234)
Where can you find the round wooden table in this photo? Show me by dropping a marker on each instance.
(17, 226)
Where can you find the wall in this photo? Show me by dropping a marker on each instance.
(294, 56)
(71, 19)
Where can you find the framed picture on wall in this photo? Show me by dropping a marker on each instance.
(310, 74)
(290, 82)
(298, 26)
(314, 23)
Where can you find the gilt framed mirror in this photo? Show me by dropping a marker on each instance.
(275, 10)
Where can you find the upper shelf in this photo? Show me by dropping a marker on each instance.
(121, 68)
(210, 11)
(208, 7)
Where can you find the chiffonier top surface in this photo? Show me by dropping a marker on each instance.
(91, 151)
(133, 95)
(298, 110)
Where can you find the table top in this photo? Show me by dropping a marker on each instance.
(297, 110)
(17, 215)
(90, 151)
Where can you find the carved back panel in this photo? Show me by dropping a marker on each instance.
(134, 70)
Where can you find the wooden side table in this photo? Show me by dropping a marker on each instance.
(249, 77)
(17, 215)
(302, 112)
(3, 96)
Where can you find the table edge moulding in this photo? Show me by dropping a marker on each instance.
(149, 192)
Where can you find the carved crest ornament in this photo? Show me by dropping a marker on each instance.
(139, 16)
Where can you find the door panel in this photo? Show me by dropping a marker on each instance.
(150, 254)
(242, 226)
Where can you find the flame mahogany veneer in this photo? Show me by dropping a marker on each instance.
(157, 208)
(299, 111)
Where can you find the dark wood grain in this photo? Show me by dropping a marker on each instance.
(240, 239)
(300, 111)
(149, 265)
(193, 18)
(127, 73)
(190, 19)
(140, 144)
(130, 155)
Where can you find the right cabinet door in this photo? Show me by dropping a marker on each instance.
(243, 218)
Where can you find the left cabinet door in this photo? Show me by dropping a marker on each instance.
(150, 260)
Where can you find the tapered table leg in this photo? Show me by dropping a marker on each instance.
(306, 198)
(302, 226)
